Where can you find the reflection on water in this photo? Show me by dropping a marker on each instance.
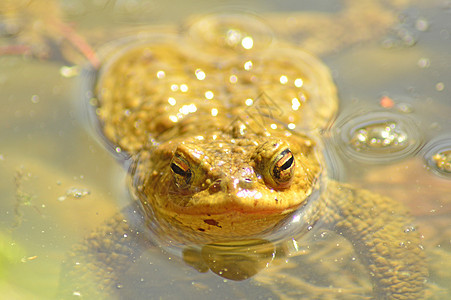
(235, 260)
(47, 156)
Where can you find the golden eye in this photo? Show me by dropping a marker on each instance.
(282, 169)
(181, 171)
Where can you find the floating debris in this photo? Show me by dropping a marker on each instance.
(29, 258)
(74, 193)
(387, 102)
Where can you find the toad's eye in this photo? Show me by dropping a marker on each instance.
(181, 171)
(282, 168)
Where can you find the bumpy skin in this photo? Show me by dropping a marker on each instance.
(92, 268)
(383, 236)
(222, 135)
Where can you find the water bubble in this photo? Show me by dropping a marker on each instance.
(378, 137)
(438, 156)
(440, 86)
(407, 37)
(403, 35)
(405, 108)
(35, 99)
(422, 24)
(409, 229)
(424, 63)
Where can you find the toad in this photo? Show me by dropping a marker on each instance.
(222, 124)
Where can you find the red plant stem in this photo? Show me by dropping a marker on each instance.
(79, 43)
(15, 50)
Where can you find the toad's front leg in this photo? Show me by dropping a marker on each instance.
(93, 267)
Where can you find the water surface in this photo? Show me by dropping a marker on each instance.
(58, 182)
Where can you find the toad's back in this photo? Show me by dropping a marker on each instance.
(181, 83)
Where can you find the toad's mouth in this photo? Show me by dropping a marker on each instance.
(246, 202)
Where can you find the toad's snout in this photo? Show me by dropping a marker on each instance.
(231, 182)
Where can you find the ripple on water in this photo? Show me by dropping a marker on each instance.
(377, 137)
(437, 154)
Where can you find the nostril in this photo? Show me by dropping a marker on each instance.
(246, 183)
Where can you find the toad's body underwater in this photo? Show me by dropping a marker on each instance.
(222, 126)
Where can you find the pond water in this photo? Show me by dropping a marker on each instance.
(59, 182)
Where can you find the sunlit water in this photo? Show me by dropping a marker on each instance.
(58, 182)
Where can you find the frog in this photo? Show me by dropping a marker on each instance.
(221, 125)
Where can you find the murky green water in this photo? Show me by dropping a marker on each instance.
(58, 182)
